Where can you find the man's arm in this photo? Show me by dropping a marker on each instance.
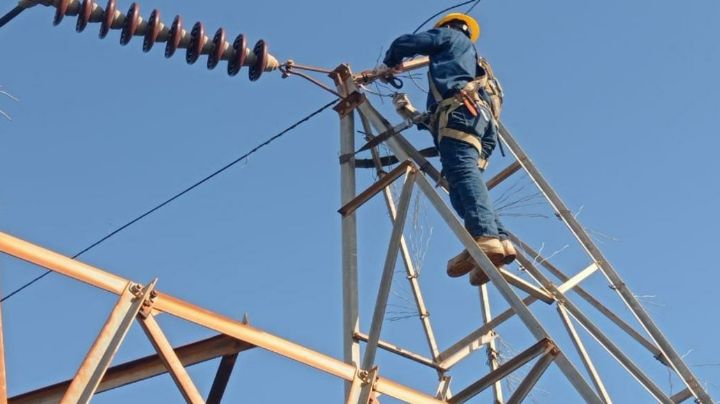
(424, 43)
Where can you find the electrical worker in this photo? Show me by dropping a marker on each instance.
(464, 104)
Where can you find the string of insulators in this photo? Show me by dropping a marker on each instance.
(174, 36)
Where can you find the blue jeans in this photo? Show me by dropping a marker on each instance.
(468, 193)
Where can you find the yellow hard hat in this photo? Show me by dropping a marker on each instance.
(473, 25)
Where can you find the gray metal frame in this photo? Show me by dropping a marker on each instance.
(351, 318)
(506, 282)
(662, 343)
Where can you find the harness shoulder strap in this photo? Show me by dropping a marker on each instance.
(433, 89)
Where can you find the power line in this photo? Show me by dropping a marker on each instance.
(476, 2)
(440, 12)
(11, 15)
(179, 194)
(473, 6)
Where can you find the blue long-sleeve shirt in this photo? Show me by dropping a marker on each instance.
(453, 63)
(453, 58)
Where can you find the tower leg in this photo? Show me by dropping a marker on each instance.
(351, 317)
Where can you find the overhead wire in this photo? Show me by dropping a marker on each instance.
(443, 11)
(179, 194)
(473, 6)
(15, 12)
(474, 3)
(11, 15)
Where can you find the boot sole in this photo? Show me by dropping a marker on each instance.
(460, 268)
(478, 280)
(483, 276)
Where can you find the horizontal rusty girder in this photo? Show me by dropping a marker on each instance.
(198, 315)
(143, 368)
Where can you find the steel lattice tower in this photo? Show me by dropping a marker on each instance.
(359, 367)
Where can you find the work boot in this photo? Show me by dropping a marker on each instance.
(478, 277)
(460, 264)
(510, 253)
(463, 263)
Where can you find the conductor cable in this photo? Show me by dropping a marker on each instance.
(178, 195)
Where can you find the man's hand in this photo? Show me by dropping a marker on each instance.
(385, 73)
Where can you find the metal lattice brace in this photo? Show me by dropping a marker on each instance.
(605, 341)
(106, 344)
(660, 347)
(142, 368)
(205, 318)
(607, 269)
(543, 347)
(405, 151)
(170, 359)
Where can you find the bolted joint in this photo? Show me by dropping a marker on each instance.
(146, 309)
(148, 303)
(340, 74)
(348, 104)
(136, 289)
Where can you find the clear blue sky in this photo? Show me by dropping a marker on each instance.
(614, 100)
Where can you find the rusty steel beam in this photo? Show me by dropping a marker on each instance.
(106, 344)
(222, 377)
(542, 347)
(3, 381)
(198, 315)
(376, 188)
(503, 175)
(61, 264)
(531, 379)
(143, 368)
(170, 360)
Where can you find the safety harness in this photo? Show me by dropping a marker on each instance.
(470, 97)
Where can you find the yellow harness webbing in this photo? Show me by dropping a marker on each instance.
(442, 112)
